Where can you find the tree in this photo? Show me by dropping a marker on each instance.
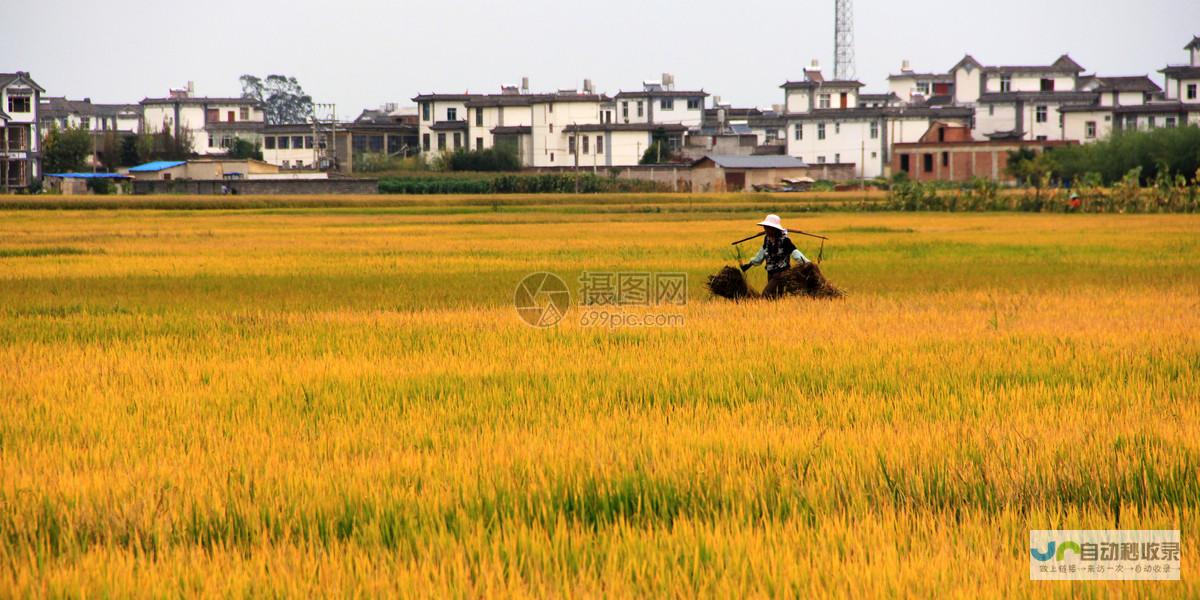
(129, 151)
(66, 150)
(283, 100)
(165, 146)
(659, 150)
(244, 149)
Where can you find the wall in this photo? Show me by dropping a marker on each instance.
(796, 101)
(259, 187)
(844, 142)
(1075, 125)
(966, 85)
(548, 122)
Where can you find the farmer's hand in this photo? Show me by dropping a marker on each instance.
(746, 267)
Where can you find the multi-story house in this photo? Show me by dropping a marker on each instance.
(1018, 102)
(20, 139)
(212, 123)
(829, 121)
(560, 129)
(60, 113)
(912, 87)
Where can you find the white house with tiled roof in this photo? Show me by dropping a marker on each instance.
(20, 138)
(212, 123)
(831, 122)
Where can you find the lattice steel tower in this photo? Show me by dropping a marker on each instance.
(843, 40)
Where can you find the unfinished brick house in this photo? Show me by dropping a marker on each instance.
(947, 152)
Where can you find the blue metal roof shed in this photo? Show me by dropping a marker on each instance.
(156, 166)
(88, 175)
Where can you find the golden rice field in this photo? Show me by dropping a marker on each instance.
(344, 402)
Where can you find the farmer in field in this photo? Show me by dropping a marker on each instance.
(777, 252)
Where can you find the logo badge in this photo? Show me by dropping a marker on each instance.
(542, 299)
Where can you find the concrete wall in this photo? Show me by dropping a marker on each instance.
(957, 162)
(1075, 125)
(259, 187)
(844, 142)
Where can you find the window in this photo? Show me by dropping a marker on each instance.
(479, 143)
(771, 135)
(641, 109)
(923, 87)
(837, 128)
(297, 141)
(425, 142)
(599, 144)
(1151, 122)
(552, 128)
(299, 164)
(694, 103)
(927, 158)
(308, 141)
(212, 141)
(1089, 129)
(874, 130)
(226, 141)
(321, 142)
(823, 101)
(451, 114)
(245, 116)
(284, 142)
(1047, 85)
(441, 141)
(85, 122)
(820, 160)
(625, 110)
(1191, 91)
(457, 140)
(820, 131)
(1131, 122)
(837, 158)
(799, 131)
(1005, 83)
(667, 104)
(945, 159)
(479, 117)
(19, 104)
(269, 142)
(550, 107)
(585, 144)
(571, 144)
(874, 154)
(941, 134)
(904, 166)
(551, 157)
(1040, 114)
(424, 111)
(1170, 122)
(991, 110)
(229, 116)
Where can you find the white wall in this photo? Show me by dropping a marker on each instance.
(1075, 125)
(966, 85)
(796, 101)
(847, 141)
(548, 124)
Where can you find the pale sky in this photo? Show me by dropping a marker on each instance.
(362, 53)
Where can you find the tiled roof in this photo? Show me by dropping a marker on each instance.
(755, 162)
(831, 114)
(8, 78)
(668, 127)
(936, 77)
(1037, 97)
(512, 130)
(832, 83)
(448, 125)
(201, 100)
(1135, 83)
(1181, 72)
(664, 94)
(1064, 64)
(235, 126)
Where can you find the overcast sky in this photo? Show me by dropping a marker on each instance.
(362, 53)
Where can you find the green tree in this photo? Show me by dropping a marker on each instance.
(659, 150)
(282, 98)
(129, 151)
(66, 150)
(245, 149)
(164, 145)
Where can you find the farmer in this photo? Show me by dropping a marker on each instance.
(777, 251)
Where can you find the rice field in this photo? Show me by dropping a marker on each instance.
(343, 401)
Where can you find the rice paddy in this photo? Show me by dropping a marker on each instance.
(297, 401)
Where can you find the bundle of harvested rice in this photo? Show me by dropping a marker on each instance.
(729, 283)
(806, 279)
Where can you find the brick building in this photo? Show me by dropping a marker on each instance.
(948, 152)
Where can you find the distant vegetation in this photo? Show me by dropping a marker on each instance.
(514, 184)
(1154, 155)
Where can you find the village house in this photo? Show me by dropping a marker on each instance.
(949, 152)
(60, 113)
(830, 122)
(20, 137)
(211, 123)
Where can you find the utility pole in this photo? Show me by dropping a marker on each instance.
(843, 40)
